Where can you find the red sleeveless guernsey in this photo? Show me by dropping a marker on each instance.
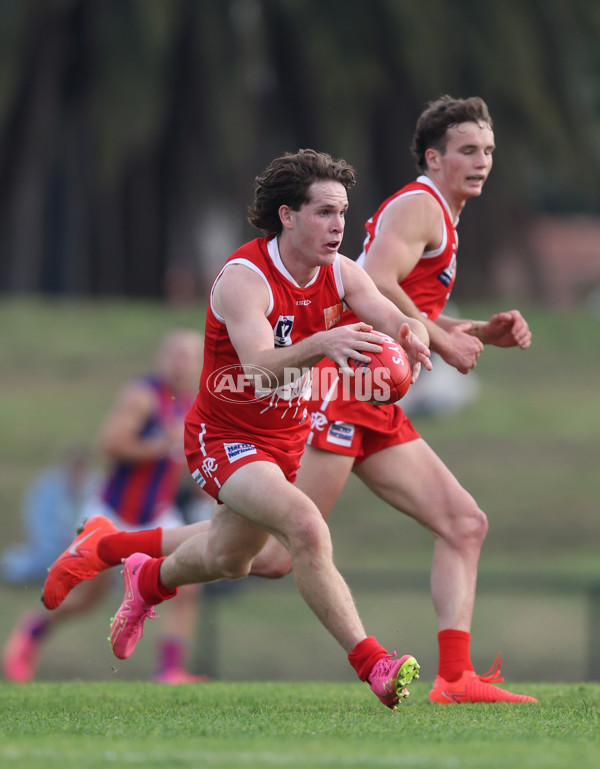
(228, 398)
(430, 282)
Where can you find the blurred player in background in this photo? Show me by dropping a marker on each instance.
(274, 307)
(142, 440)
(52, 509)
(410, 253)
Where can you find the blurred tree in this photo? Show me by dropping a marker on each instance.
(131, 130)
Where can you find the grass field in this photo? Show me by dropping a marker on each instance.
(292, 725)
(527, 449)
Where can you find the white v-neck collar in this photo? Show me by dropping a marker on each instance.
(273, 249)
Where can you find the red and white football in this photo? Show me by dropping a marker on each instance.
(385, 379)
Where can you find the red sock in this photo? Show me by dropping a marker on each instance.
(364, 655)
(455, 654)
(114, 547)
(150, 586)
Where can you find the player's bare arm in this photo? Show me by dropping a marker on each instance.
(505, 329)
(409, 227)
(120, 434)
(241, 298)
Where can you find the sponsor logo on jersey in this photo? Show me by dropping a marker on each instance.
(303, 302)
(340, 433)
(237, 450)
(333, 315)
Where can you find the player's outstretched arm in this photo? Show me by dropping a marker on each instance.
(370, 305)
(455, 343)
(505, 329)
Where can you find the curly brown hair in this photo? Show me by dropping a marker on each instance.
(286, 181)
(441, 114)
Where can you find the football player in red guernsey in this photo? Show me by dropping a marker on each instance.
(410, 252)
(274, 312)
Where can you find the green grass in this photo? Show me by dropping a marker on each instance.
(526, 449)
(294, 725)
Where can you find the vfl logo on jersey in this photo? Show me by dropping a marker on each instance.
(282, 331)
(341, 434)
(237, 450)
(447, 276)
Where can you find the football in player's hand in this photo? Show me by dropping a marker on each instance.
(385, 379)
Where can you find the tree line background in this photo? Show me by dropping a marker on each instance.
(131, 130)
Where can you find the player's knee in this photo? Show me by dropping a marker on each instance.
(482, 525)
(230, 566)
(311, 536)
(472, 526)
(464, 526)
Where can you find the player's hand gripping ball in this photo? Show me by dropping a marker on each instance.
(385, 379)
